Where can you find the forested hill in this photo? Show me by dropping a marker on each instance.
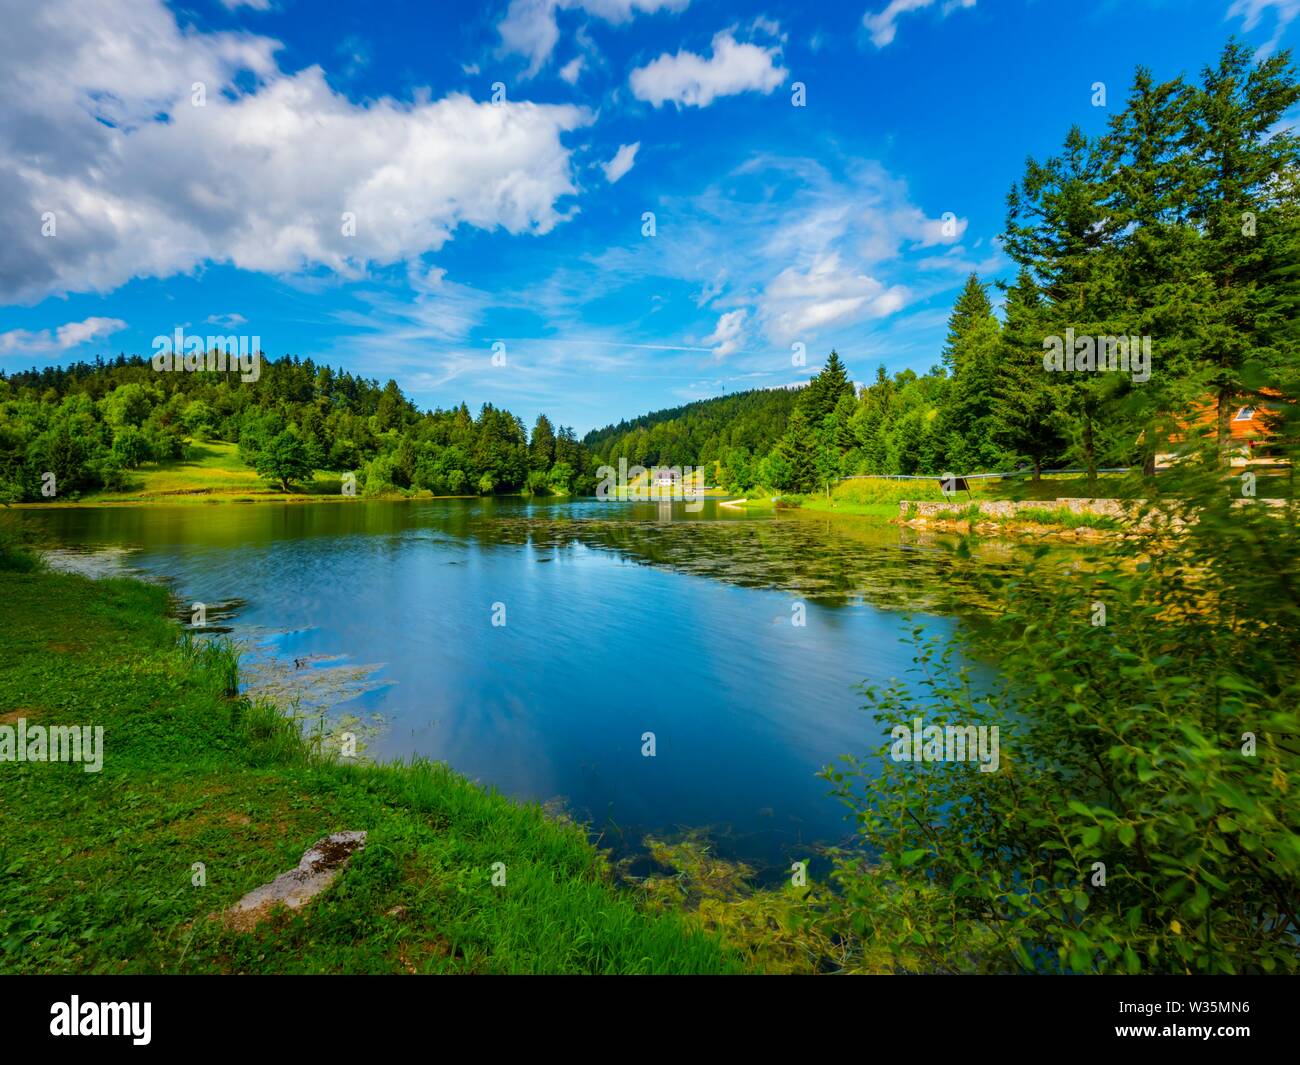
(698, 433)
(88, 425)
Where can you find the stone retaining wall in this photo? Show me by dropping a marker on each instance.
(1006, 508)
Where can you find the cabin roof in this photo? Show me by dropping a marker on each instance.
(1249, 418)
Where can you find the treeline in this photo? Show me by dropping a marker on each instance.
(88, 424)
(1175, 233)
(702, 433)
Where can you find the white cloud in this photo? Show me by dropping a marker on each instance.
(728, 334)
(1252, 12)
(828, 262)
(70, 335)
(710, 290)
(226, 319)
(621, 163)
(841, 239)
(883, 25)
(869, 217)
(441, 311)
(259, 177)
(798, 303)
(256, 5)
(570, 71)
(529, 28)
(690, 80)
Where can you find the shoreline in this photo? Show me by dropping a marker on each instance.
(204, 795)
(205, 499)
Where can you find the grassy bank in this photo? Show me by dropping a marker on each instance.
(878, 497)
(97, 870)
(880, 490)
(214, 473)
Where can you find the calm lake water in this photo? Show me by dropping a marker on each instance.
(620, 619)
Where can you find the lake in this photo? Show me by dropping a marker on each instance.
(613, 620)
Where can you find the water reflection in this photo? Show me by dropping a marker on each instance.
(620, 620)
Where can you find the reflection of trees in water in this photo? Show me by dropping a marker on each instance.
(829, 561)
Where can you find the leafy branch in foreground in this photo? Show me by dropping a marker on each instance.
(1143, 815)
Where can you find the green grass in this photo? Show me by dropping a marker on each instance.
(819, 504)
(15, 555)
(1062, 516)
(878, 490)
(213, 473)
(96, 868)
(878, 498)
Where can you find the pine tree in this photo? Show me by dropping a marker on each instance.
(1153, 247)
(1059, 229)
(797, 451)
(826, 390)
(1240, 151)
(1024, 410)
(392, 407)
(541, 449)
(972, 307)
(971, 354)
(827, 456)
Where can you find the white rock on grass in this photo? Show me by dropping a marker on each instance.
(317, 870)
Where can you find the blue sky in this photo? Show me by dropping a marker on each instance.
(849, 222)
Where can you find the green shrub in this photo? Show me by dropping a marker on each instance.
(1143, 816)
(14, 554)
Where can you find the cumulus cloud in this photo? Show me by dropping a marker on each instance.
(529, 28)
(727, 336)
(52, 342)
(841, 238)
(690, 80)
(799, 303)
(621, 163)
(883, 25)
(100, 130)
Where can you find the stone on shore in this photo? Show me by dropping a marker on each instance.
(319, 867)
